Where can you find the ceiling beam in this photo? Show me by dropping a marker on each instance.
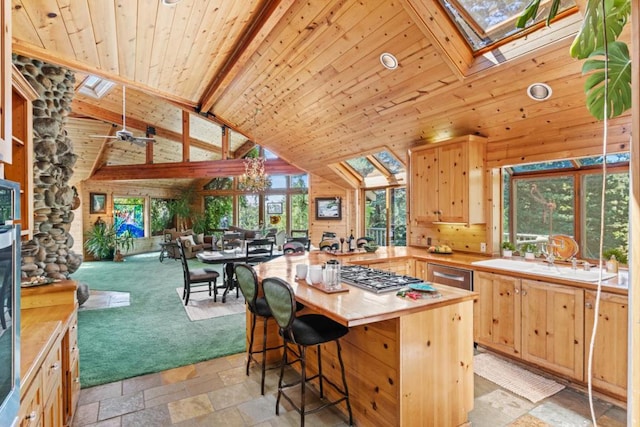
(189, 170)
(89, 110)
(28, 50)
(269, 14)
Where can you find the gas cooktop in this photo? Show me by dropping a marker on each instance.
(374, 280)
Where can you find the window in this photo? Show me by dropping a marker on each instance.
(385, 216)
(95, 86)
(376, 170)
(540, 200)
(161, 217)
(485, 23)
(218, 212)
(128, 216)
(299, 211)
(249, 211)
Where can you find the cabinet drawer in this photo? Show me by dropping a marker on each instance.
(51, 370)
(30, 413)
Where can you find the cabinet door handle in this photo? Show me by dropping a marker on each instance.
(448, 276)
(55, 366)
(524, 293)
(588, 305)
(516, 291)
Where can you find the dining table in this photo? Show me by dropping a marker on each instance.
(227, 257)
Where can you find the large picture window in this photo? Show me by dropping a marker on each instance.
(161, 217)
(565, 198)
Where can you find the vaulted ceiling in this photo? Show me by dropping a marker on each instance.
(302, 78)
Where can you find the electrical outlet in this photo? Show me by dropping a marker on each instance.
(483, 247)
(428, 241)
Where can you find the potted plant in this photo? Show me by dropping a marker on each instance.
(529, 250)
(507, 249)
(103, 243)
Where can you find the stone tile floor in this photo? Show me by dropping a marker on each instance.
(218, 393)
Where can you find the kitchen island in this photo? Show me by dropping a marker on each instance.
(409, 362)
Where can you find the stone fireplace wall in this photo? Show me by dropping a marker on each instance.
(49, 252)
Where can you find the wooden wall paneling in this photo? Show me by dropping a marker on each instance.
(319, 187)
(435, 24)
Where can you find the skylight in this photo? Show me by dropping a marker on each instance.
(381, 168)
(95, 86)
(485, 23)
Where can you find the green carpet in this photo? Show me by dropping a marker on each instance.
(153, 333)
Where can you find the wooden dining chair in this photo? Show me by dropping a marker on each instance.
(196, 277)
(258, 250)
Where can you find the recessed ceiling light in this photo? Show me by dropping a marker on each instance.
(170, 2)
(539, 91)
(389, 61)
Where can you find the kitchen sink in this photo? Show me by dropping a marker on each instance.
(542, 269)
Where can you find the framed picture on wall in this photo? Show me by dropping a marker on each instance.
(274, 208)
(328, 208)
(97, 203)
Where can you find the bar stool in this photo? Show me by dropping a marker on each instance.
(249, 286)
(304, 331)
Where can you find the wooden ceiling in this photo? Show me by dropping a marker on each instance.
(302, 78)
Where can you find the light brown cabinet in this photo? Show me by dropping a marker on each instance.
(447, 181)
(550, 326)
(49, 366)
(21, 168)
(497, 312)
(553, 327)
(539, 322)
(609, 364)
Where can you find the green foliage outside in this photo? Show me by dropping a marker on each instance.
(299, 211)
(532, 220)
(218, 211)
(616, 224)
(161, 217)
(376, 215)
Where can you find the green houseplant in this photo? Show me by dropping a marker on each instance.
(102, 242)
(507, 249)
(528, 249)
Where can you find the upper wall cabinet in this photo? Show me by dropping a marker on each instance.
(447, 181)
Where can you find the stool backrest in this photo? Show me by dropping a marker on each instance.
(248, 282)
(282, 303)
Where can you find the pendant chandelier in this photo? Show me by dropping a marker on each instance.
(254, 179)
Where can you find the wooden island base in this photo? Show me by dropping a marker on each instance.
(410, 366)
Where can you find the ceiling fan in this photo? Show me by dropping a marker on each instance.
(124, 134)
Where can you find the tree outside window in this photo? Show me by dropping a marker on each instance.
(161, 217)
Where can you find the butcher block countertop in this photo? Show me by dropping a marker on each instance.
(464, 260)
(357, 306)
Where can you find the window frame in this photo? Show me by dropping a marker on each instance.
(578, 173)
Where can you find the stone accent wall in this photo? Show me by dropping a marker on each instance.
(49, 252)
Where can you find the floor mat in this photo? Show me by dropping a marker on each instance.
(518, 380)
(201, 305)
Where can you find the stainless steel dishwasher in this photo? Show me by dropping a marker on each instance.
(450, 276)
